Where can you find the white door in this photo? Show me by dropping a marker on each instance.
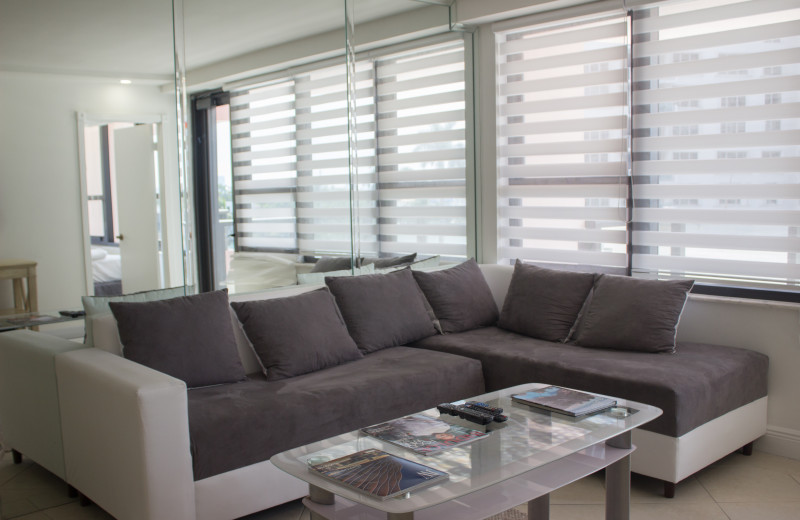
(134, 164)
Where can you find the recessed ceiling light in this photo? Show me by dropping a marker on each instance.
(125, 81)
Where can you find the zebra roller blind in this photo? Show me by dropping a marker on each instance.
(290, 154)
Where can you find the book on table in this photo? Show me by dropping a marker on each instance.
(423, 434)
(379, 474)
(564, 400)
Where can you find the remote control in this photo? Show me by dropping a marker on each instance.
(466, 413)
(497, 413)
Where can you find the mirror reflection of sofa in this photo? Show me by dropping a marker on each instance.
(257, 271)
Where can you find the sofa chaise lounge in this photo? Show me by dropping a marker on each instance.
(142, 446)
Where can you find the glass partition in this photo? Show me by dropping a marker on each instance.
(337, 147)
(90, 146)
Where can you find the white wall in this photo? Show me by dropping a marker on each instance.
(40, 210)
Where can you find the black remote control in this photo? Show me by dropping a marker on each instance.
(466, 413)
(497, 413)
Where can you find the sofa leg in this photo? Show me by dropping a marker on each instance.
(747, 449)
(669, 489)
(71, 491)
(17, 456)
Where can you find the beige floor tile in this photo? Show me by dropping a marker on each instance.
(12, 506)
(577, 512)
(290, 511)
(588, 490)
(749, 483)
(75, 511)
(32, 516)
(677, 511)
(647, 490)
(764, 460)
(9, 470)
(763, 511)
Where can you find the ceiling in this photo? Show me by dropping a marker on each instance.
(118, 38)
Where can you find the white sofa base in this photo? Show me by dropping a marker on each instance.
(245, 490)
(673, 459)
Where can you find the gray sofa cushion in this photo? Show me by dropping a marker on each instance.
(190, 337)
(544, 303)
(232, 426)
(382, 310)
(698, 383)
(460, 297)
(297, 334)
(633, 314)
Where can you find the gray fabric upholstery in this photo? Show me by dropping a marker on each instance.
(544, 303)
(190, 337)
(696, 384)
(459, 296)
(382, 310)
(235, 425)
(332, 263)
(297, 334)
(633, 314)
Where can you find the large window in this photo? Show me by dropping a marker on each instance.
(292, 188)
(713, 189)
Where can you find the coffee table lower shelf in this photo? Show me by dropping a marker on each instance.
(532, 487)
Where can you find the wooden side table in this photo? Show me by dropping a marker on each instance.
(19, 271)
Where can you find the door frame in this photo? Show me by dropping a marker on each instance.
(85, 120)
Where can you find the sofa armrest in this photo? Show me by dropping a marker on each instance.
(29, 412)
(126, 436)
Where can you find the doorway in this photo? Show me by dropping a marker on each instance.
(122, 185)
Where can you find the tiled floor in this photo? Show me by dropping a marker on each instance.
(760, 487)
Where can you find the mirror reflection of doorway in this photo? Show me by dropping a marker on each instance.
(122, 166)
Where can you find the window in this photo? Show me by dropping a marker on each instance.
(563, 130)
(290, 157)
(714, 190)
(744, 229)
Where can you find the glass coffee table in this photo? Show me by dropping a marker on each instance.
(522, 461)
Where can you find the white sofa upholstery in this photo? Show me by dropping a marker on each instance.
(126, 439)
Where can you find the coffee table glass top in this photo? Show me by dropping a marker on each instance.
(529, 439)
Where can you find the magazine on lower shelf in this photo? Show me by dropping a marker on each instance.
(423, 434)
(379, 474)
(564, 400)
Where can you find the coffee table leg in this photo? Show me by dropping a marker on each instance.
(320, 496)
(539, 508)
(618, 481)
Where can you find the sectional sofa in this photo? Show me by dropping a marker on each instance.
(309, 362)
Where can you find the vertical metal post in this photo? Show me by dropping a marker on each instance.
(539, 508)
(618, 481)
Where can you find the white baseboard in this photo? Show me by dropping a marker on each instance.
(780, 441)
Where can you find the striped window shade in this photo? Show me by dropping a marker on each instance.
(563, 141)
(290, 153)
(420, 191)
(716, 149)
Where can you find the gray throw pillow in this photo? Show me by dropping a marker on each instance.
(382, 310)
(394, 261)
(297, 334)
(97, 306)
(544, 303)
(459, 296)
(633, 314)
(332, 263)
(190, 338)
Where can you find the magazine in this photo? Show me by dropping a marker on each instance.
(379, 474)
(564, 400)
(423, 434)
